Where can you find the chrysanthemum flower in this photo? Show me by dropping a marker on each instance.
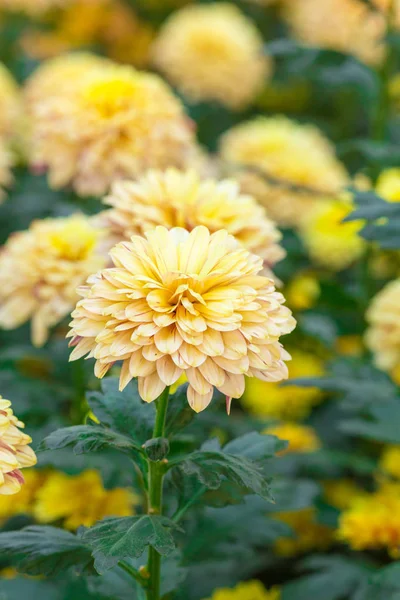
(80, 500)
(373, 522)
(15, 453)
(40, 269)
(390, 461)
(348, 26)
(301, 438)
(114, 122)
(280, 402)
(23, 502)
(309, 534)
(180, 199)
(289, 156)
(33, 8)
(206, 50)
(388, 185)
(10, 103)
(330, 242)
(183, 302)
(383, 334)
(341, 493)
(302, 291)
(247, 590)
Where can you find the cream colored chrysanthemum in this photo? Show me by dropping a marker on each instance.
(183, 302)
(348, 26)
(388, 185)
(180, 199)
(15, 453)
(114, 122)
(213, 52)
(10, 104)
(289, 155)
(285, 402)
(40, 269)
(330, 242)
(33, 8)
(301, 438)
(247, 590)
(383, 334)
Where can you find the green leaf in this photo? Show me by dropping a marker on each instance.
(385, 584)
(156, 449)
(45, 550)
(21, 587)
(124, 412)
(179, 413)
(381, 422)
(88, 438)
(255, 446)
(117, 538)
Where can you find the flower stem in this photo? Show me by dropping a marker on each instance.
(156, 475)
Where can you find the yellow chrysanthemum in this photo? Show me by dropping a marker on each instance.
(15, 452)
(390, 461)
(309, 533)
(280, 402)
(33, 8)
(388, 185)
(329, 241)
(80, 500)
(302, 291)
(206, 50)
(290, 155)
(114, 122)
(23, 502)
(180, 199)
(248, 590)
(348, 26)
(341, 493)
(301, 438)
(373, 522)
(10, 103)
(183, 302)
(349, 345)
(383, 334)
(40, 269)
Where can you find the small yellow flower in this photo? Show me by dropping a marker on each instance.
(270, 400)
(248, 590)
(350, 345)
(80, 500)
(341, 493)
(373, 522)
(183, 302)
(15, 453)
(301, 438)
(289, 155)
(388, 185)
(206, 50)
(8, 573)
(309, 533)
(33, 8)
(330, 242)
(180, 199)
(390, 461)
(302, 291)
(40, 269)
(383, 334)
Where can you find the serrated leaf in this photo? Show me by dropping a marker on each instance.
(117, 538)
(255, 446)
(45, 550)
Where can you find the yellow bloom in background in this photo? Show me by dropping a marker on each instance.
(388, 185)
(341, 493)
(23, 502)
(348, 26)
(301, 438)
(330, 242)
(180, 199)
(33, 8)
(349, 345)
(40, 270)
(114, 123)
(302, 292)
(213, 52)
(15, 452)
(289, 155)
(10, 103)
(270, 400)
(373, 522)
(80, 500)
(183, 302)
(247, 590)
(383, 334)
(309, 534)
(390, 461)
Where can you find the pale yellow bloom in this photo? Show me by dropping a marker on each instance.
(15, 452)
(10, 103)
(183, 302)
(270, 400)
(33, 8)
(390, 461)
(113, 123)
(302, 291)
(341, 493)
(372, 522)
(80, 500)
(330, 242)
(290, 156)
(388, 185)
(213, 52)
(348, 26)
(383, 334)
(247, 590)
(181, 199)
(301, 438)
(309, 534)
(40, 269)
(23, 502)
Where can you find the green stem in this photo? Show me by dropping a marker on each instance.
(156, 475)
(132, 572)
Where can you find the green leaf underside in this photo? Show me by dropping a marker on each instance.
(88, 438)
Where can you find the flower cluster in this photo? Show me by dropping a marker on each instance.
(248, 590)
(309, 533)
(15, 452)
(183, 302)
(300, 438)
(10, 111)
